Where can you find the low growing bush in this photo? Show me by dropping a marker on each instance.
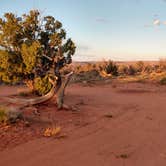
(9, 115)
(163, 81)
(111, 68)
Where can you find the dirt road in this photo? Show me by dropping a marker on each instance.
(124, 125)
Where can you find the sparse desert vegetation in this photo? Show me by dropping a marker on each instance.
(139, 71)
(56, 110)
(94, 74)
(105, 72)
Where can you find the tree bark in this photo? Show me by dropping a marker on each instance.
(61, 91)
(56, 90)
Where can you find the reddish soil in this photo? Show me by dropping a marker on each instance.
(117, 124)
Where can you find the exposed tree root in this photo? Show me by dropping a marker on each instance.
(56, 90)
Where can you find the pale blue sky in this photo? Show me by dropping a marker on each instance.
(106, 29)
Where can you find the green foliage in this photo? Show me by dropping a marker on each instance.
(4, 59)
(32, 47)
(9, 69)
(42, 85)
(29, 56)
(111, 68)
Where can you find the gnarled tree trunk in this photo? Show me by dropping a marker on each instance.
(60, 93)
(56, 90)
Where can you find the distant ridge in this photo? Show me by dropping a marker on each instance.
(118, 62)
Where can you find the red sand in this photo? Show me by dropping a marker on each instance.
(134, 136)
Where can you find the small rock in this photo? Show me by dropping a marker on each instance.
(84, 82)
(27, 124)
(108, 115)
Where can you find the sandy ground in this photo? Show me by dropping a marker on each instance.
(117, 125)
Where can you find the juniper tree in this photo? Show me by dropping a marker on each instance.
(32, 49)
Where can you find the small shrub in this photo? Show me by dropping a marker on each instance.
(131, 70)
(162, 64)
(122, 69)
(9, 115)
(77, 68)
(148, 69)
(111, 68)
(140, 66)
(87, 76)
(163, 81)
(157, 68)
